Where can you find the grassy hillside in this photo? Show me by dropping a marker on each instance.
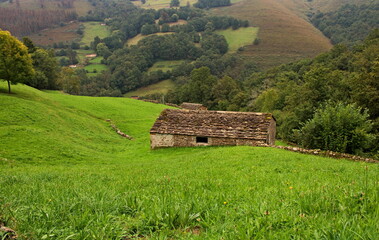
(65, 174)
(136, 39)
(160, 87)
(239, 38)
(284, 32)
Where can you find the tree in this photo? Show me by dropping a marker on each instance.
(175, 3)
(15, 62)
(338, 127)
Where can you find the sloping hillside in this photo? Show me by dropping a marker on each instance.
(285, 33)
(65, 174)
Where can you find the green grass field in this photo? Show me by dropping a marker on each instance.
(96, 60)
(165, 66)
(136, 39)
(65, 174)
(94, 69)
(160, 87)
(93, 29)
(240, 37)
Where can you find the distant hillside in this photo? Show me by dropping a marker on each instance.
(285, 34)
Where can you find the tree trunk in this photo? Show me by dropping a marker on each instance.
(9, 86)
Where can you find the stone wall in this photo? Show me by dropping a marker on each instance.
(167, 140)
(327, 154)
(271, 132)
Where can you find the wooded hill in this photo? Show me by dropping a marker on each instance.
(349, 23)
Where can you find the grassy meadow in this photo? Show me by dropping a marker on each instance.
(160, 87)
(136, 39)
(240, 37)
(165, 66)
(65, 174)
(93, 29)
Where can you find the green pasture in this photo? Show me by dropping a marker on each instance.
(136, 39)
(93, 29)
(66, 174)
(160, 87)
(240, 37)
(96, 60)
(94, 69)
(165, 66)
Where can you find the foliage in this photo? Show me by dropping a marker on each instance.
(349, 24)
(46, 68)
(15, 62)
(174, 3)
(338, 127)
(211, 3)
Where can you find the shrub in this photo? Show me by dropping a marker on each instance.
(338, 127)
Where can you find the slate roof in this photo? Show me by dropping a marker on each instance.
(246, 125)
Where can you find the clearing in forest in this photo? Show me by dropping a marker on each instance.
(156, 88)
(240, 37)
(139, 37)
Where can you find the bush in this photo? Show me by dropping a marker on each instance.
(338, 127)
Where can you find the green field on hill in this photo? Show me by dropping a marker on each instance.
(66, 174)
(165, 66)
(93, 29)
(160, 87)
(240, 37)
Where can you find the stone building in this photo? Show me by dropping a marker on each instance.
(193, 106)
(188, 128)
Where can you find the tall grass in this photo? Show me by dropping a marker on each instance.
(65, 174)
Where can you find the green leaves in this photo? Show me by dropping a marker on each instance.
(338, 127)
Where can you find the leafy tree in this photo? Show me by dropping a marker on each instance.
(69, 81)
(47, 70)
(15, 62)
(338, 127)
(103, 50)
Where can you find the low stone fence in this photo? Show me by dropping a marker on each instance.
(118, 131)
(327, 154)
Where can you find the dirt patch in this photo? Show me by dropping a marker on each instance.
(7, 233)
(196, 230)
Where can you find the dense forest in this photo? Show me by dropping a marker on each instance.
(348, 24)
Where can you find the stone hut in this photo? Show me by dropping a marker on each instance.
(193, 106)
(188, 128)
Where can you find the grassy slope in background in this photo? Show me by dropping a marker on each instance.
(65, 174)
